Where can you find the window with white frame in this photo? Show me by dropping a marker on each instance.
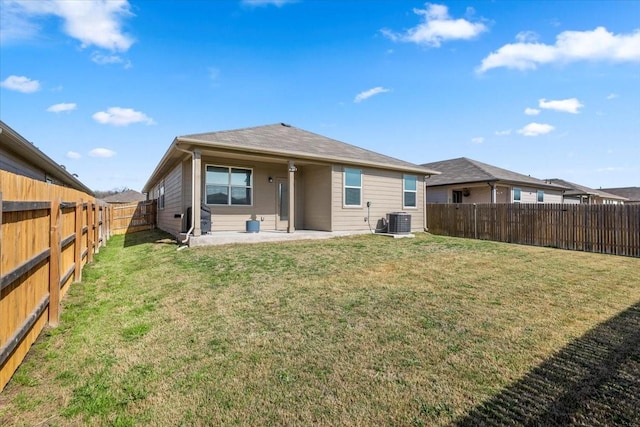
(540, 196)
(228, 186)
(161, 195)
(516, 195)
(352, 187)
(410, 193)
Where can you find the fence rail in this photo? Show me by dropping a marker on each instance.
(607, 229)
(47, 234)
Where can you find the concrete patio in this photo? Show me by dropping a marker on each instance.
(230, 237)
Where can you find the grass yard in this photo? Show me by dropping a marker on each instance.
(363, 330)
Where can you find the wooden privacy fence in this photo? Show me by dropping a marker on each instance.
(47, 234)
(132, 217)
(607, 229)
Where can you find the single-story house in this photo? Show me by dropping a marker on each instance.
(465, 180)
(632, 194)
(577, 194)
(21, 157)
(283, 177)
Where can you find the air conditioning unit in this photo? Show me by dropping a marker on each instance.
(399, 223)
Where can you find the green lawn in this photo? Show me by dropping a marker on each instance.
(364, 330)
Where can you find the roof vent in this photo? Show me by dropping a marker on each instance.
(285, 125)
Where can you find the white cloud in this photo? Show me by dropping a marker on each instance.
(613, 96)
(369, 93)
(535, 129)
(570, 46)
(102, 152)
(277, 3)
(437, 27)
(121, 117)
(59, 108)
(102, 59)
(73, 155)
(21, 84)
(571, 105)
(503, 132)
(531, 111)
(97, 23)
(477, 140)
(527, 37)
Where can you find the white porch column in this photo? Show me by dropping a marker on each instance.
(494, 193)
(196, 188)
(291, 224)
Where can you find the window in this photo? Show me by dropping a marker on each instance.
(161, 196)
(540, 196)
(352, 187)
(516, 194)
(457, 196)
(410, 194)
(228, 186)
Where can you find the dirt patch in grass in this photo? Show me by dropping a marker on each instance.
(350, 331)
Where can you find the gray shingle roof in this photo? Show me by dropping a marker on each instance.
(631, 193)
(579, 190)
(128, 196)
(291, 141)
(464, 170)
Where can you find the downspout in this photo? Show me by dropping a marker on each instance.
(193, 193)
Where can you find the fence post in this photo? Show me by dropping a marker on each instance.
(0, 236)
(89, 232)
(77, 273)
(96, 227)
(475, 221)
(54, 262)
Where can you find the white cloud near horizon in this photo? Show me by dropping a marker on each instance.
(503, 132)
(437, 27)
(102, 59)
(21, 84)
(531, 111)
(59, 108)
(258, 3)
(102, 152)
(95, 22)
(571, 105)
(477, 140)
(118, 116)
(613, 96)
(570, 46)
(73, 155)
(369, 93)
(535, 129)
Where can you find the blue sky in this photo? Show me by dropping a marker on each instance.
(547, 88)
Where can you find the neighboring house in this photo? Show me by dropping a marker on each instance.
(19, 156)
(632, 194)
(128, 196)
(284, 177)
(465, 180)
(577, 194)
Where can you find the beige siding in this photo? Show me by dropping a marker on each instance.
(172, 202)
(530, 195)
(317, 200)
(384, 189)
